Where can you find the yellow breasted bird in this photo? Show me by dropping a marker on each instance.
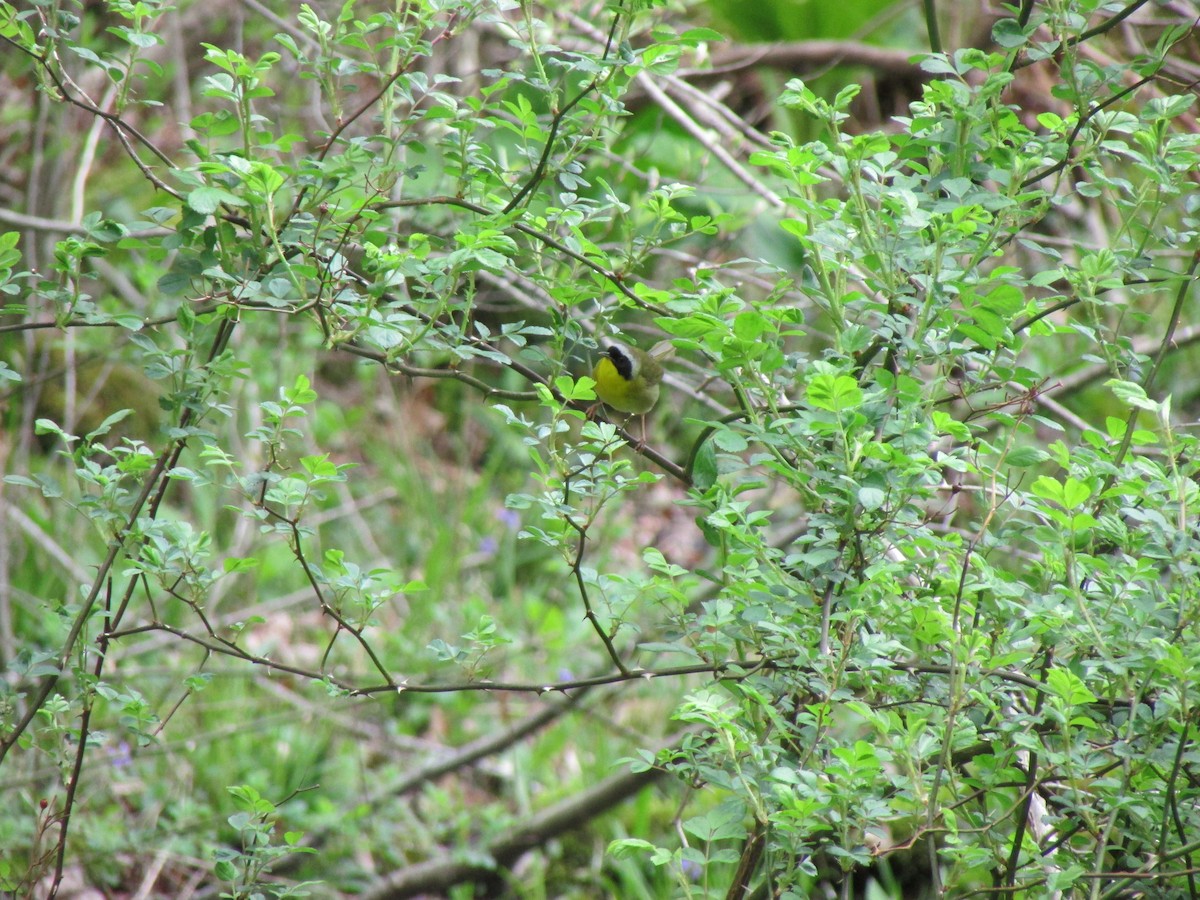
(628, 379)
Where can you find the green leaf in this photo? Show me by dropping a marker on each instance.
(207, 200)
(704, 469)
(836, 393)
(750, 326)
(225, 871)
(730, 441)
(871, 498)
(628, 847)
(1048, 489)
(1075, 493)
(697, 35)
(1132, 394)
(1023, 457)
(1069, 687)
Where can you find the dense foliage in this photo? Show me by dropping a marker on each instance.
(317, 561)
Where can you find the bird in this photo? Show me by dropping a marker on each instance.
(628, 379)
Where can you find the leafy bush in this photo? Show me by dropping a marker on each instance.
(319, 512)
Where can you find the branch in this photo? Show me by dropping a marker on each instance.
(453, 761)
(539, 171)
(668, 465)
(800, 55)
(1168, 341)
(438, 875)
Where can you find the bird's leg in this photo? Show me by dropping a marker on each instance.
(638, 445)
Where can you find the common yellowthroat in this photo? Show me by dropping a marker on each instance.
(628, 379)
